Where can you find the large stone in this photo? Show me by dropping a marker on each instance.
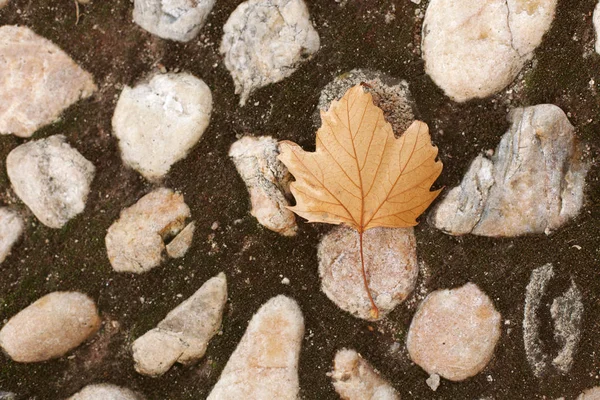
(264, 365)
(590, 394)
(596, 19)
(179, 20)
(185, 332)
(158, 122)
(50, 327)
(454, 332)
(267, 180)
(105, 391)
(51, 178)
(135, 242)
(37, 81)
(476, 48)
(533, 183)
(264, 41)
(11, 228)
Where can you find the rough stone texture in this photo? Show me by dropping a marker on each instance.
(264, 365)
(37, 81)
(7, 396)
(590, 394)
(596, 19)
(11, 228)
(390, 257)
(50, 327)
(158, 122)
(267, 180)
(182, 242)
(533, 183)
(264, 41)
(179, 20)
(185, 332)
(355, 379)
(454, 332)
(51, 178)
(476, 48)
(135, 242)
(567, 315)
(104, 391)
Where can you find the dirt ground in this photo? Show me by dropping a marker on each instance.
(117, 52)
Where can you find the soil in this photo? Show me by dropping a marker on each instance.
(105, 41)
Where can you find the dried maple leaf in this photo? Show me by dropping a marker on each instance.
(360, 174)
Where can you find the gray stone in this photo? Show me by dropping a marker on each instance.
(596, 19)
(105, 391)
(182, 242)
(433, 382)
(11, 228)
(567, 315)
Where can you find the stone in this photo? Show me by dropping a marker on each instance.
(51, 178)
(433, 382)
(390, 256)
(184, 334)
(473, 49)
(50, 327)
(454, 332)
(105, 391)
(37, 81)
(355, 379)
(533, 183)
(135, 242)
(11, 228)
(2, 4)
(264, 41)
(567, 315)
(264, 365)
(596, 19)
(590, 394)
(157, 122)
(182, 242)
(7, 396)
(179, 20)
(267, 180)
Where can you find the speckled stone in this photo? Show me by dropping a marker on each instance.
(104, 391)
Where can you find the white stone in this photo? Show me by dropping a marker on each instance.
(533, 183)
(182, 242)
(158, 122)
(264, 41)
(11, 228)
(473, 49)
(264, 366)
(390, 262)
(50, 327)
(37, 81)
(355, 379)
(185, 332)
(135, 242)
(179, 20)
(590, 394)
(433, 382)
(596, 19)
(267, 180)
(104, 391)
(51, 178)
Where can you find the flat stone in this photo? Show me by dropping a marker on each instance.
(104, 391)
(590, 394)
(182, 242)
(50, 327)
(596, 19)
(185, 332)
(179, 20)
(37, 81)
(390, 261)
(135, 242)
(159, 121)
(454, 332)
(267, 180)
(533, 183)
(473, 49)
(264, 41)
(11, 228)
(51, 178)
(264, 365)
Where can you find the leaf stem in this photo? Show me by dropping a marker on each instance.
(374, 309)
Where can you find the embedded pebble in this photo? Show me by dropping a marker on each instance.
(182, 242)
(567, 315)
(473, 49)
(590, 394)
(7, 396)
(267, 180)
(11, 228)
(533, 183)
(454, 332)
(264, 41)
(50, 327)
(38, 81)
(157, 122)
(265, 363)
(433, 382)
(51, 178)
(105, 391)
(596, 19)
(135, 242)
(390, 257)
(185, 332)
(2, 4)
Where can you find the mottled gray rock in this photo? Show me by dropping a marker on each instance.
(567, 315)
(50, 327)
(596, 20)
(158, 122)
(264, 41)
(476, 48)
(105, 391)
(185, 332)
(264, 365)
(179, 20)
(267, 180)
(51, 178)
(533, 183)
(590, 394)
(37, 81)
(182, 242)
(11, 228)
